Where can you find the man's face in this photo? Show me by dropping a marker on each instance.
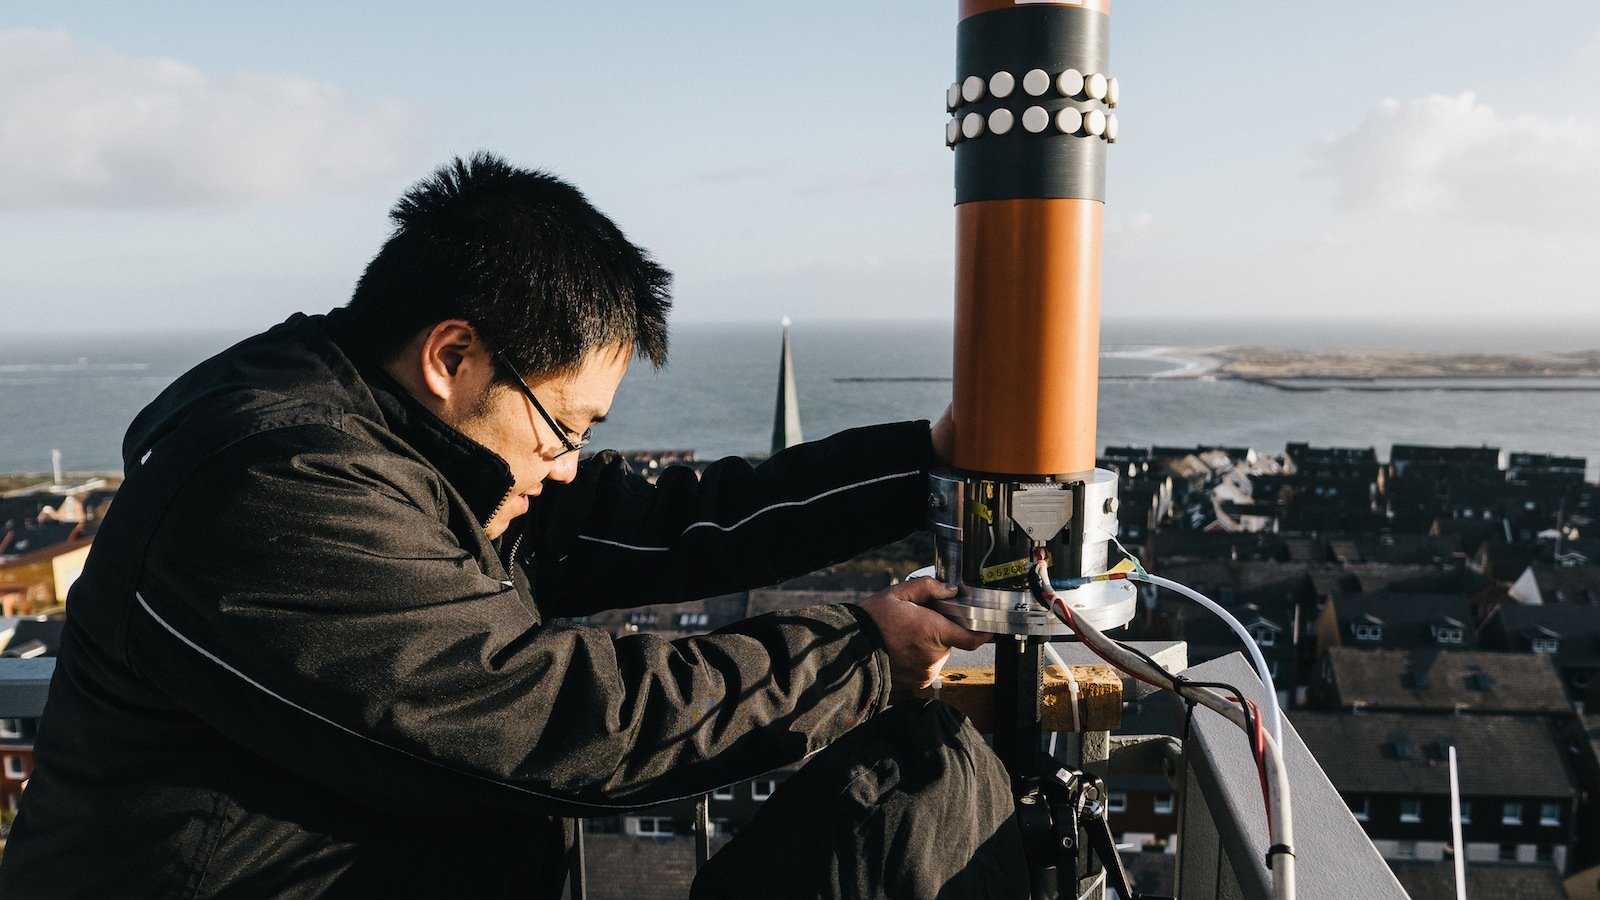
(507, 423)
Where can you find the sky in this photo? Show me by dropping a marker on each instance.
(170, 166)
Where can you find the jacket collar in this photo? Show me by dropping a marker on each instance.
(480, 475)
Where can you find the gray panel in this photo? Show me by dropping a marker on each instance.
(1198, 845)
(1333, 856)
(24, 684)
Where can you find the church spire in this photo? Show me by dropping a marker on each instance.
(786, 418)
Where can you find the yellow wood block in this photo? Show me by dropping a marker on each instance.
(1099, 697)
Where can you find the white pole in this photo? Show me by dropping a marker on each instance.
(55, 465)
(1455, 829)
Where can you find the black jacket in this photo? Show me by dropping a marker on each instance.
(295, 665)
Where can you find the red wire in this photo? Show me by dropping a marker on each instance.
(1257, 735)
(1258, 749)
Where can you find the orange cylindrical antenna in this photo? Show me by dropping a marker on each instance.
(1032, 112)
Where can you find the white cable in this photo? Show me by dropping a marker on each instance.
(983, 563)
(1256, 658)
(1280, 825)
(1072, 683)
(1280, 831)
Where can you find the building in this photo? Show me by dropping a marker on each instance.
(1519, 804)
(1501, 881)
(1387, 620)
(1567, 632)
(1440, 681)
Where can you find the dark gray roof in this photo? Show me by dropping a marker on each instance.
(1568, 584)
(1172, 545)
(30, 536)
(1437, 579)
(1436, 880)
(1408, 619)
(1578, 625)
(1443, 680)
(1499, 756)
(1506, 562)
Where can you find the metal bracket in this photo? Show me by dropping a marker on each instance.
(1041, 513)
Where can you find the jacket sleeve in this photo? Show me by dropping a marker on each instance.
(611, 539)
(305, 597)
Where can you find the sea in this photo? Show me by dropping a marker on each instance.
(76, 393)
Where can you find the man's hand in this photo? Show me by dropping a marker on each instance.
(944, 437)
(918, 639)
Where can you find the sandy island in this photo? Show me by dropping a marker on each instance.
(1263, 363)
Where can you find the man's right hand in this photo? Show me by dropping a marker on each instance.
(918, 639)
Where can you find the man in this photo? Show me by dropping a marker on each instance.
(315, 650)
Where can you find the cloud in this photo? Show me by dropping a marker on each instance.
(1457, 158)
(85, 125)
(743, 174)
(1128, 223)
(850, 181)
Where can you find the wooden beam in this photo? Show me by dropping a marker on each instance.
(971, 690)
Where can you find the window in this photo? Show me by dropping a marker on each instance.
(641, 618)
(1549, 814)
(1164, 804)
(1466, 812)
(1264, 637)
(10, 728)
(1545, 645)
(1118, 801)
(692, 620)
(1511, 814)
(723, 793)
(1447, 634)
(1545, 853)
(655, 826)
(1362, 809)
(762, 788)
(14, 767)
(1411, 810)
(1508, 852)
(1368, 631)
(1405, 850)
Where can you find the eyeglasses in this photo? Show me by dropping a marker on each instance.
(561, 430)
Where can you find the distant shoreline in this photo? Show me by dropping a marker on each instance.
(1365, 371)
(1270, 364)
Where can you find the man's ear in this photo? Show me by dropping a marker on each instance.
(445, 367)
(445, 356)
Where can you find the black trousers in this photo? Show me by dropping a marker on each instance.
(912, 804)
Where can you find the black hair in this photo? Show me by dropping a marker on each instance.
(542, 275)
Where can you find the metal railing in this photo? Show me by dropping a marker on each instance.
(1222, 837)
